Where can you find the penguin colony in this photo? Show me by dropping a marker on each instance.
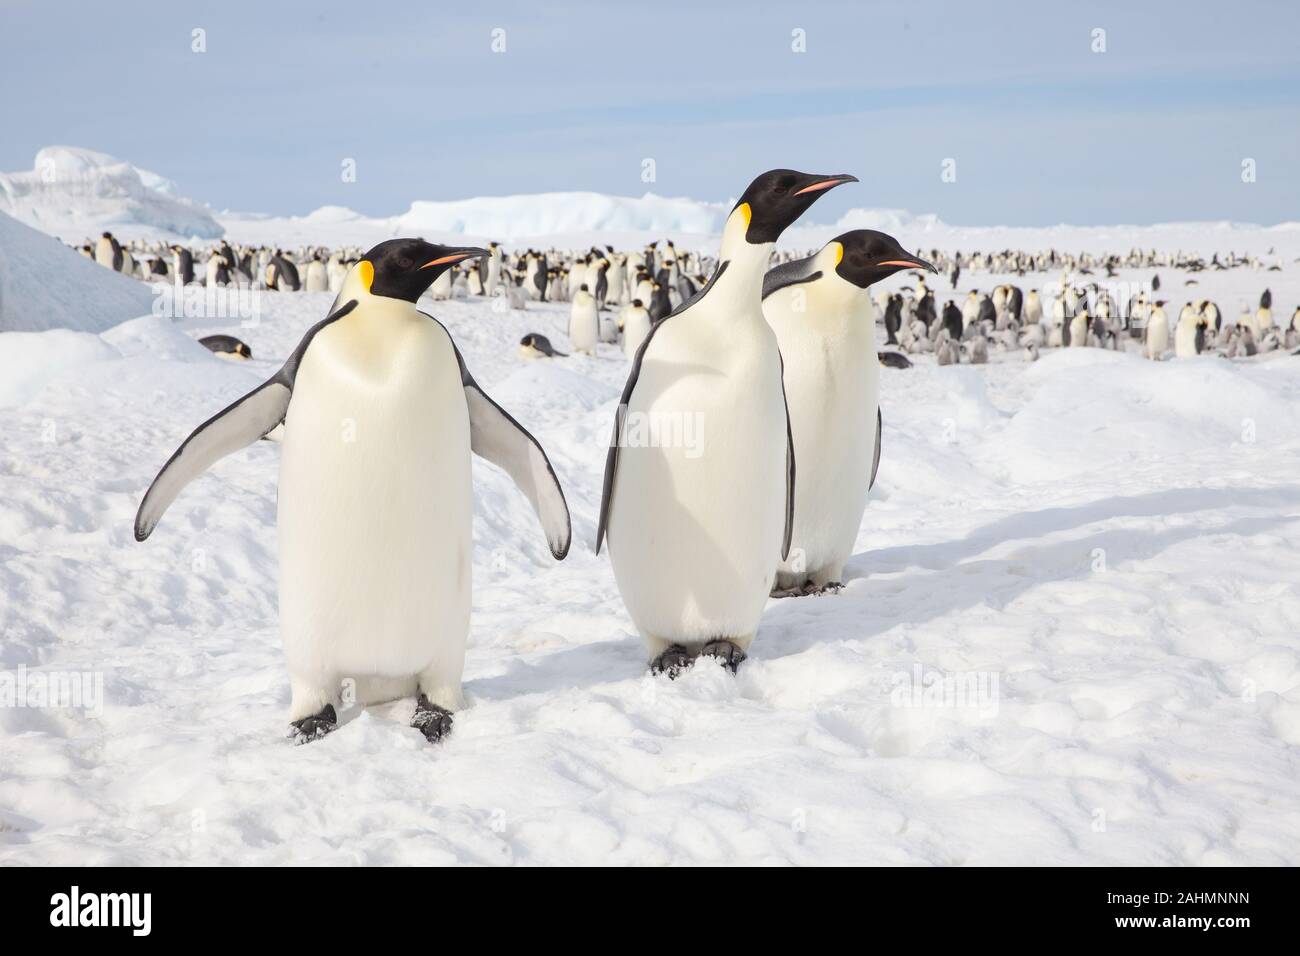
(617, 296)
(775, 357)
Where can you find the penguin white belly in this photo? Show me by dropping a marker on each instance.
(635, 330)
(833, 392)
(1078, 331)
(374, 512)
(1157, 337)
(316, 279)
(695, 528)
(584, 327)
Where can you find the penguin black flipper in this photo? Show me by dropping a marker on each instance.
(789, 470)
(234, 427)
(495, 436)
(875, 459)
(790, 273)
(611, 458)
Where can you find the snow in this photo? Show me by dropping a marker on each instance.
(46, 285)
(76, 193)
(1108, 547)
(558, 213)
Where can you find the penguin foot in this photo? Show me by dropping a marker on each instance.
(725, 651)
(808, 588)
(314, 727)
(672, 662)
(798, 591)
(431, 720)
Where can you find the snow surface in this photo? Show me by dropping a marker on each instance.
(1116, 541)
(47, 285)
(78, 193)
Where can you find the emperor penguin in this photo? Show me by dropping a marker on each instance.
(1189, 334)
(584, 321)
(617, 278)
(532, 269)
(336, 272)
(636, 327)
(597, 280)
(535, 345)
(317, 279)
(218, 273)
(441, 289)
(825, 325)
(970, 310)
(1033, 308)
(491, 272)
(227, 347)
(282, 274)
(1078, 326)
(108, 252)
(645, 287)
(374, 529)
(1157, 332)
(698, 497)
(183, 265)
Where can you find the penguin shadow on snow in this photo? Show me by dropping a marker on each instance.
(579, 667)
(945, 579)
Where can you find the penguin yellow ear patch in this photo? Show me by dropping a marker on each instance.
(746, 212)
(839, 252)
(366, 272)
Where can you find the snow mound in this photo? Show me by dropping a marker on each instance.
(74, 193)
(332, 214)
(548, 213)
(887, 220)
(46, 285)
(33, 359)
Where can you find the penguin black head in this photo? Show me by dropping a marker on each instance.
(868, 256)
(638, 304)
(778, 197)
(405, 268)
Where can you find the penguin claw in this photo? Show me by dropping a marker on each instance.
(727, 653)
(431, 720)
(314, 726)
(809, 590)
(787, 592)
(673, 662)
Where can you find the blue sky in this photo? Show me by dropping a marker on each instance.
(1042, 129)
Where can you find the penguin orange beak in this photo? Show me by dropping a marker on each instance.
(908, 264)
(457, 256)
(829, 182)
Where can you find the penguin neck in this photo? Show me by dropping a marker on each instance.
(745, 262)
